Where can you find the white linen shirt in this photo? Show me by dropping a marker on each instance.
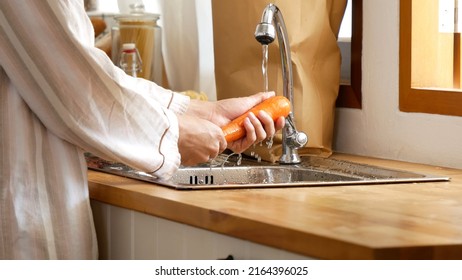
(61, 96)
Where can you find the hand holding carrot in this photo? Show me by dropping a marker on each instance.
(275, 107)
(199, 140)
(258, 125)
(257, 128)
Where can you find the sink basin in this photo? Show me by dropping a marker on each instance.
(313, 171)
(244, 175)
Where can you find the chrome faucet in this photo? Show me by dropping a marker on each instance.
(265, 34)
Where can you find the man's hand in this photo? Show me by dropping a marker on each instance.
(199, 140)
(258, 128)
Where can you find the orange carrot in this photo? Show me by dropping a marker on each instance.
(276, 106)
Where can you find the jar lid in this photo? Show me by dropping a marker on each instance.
(128, 46)
(137, 17)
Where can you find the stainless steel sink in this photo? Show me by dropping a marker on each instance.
(313, 171)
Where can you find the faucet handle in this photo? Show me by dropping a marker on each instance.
(300, 139)
(294, 138)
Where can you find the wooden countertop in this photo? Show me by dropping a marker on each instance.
(387, 221)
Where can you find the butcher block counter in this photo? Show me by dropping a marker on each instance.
(381, 221)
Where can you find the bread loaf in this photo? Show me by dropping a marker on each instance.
(99, 25)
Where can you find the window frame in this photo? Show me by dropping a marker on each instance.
(350, 96)
(417, 100)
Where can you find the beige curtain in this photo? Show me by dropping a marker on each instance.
(313, 26)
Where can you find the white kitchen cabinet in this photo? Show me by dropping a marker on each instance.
(127, 234)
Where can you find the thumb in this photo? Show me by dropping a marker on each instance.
(261, 96)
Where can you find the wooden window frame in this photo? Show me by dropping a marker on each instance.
(417, 100)
(350, 96)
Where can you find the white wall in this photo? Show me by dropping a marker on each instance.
(380, 129)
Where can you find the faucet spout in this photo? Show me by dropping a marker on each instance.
(272, 23)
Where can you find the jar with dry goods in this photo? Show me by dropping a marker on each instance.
(142, 30)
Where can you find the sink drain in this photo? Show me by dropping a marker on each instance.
(205, 180)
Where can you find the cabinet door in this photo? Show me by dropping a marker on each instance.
(125, 234)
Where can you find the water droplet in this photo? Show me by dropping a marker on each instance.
(239, 159)
(269, 142)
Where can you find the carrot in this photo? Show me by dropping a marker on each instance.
(276, 106)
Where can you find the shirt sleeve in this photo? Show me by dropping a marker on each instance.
(79, 94)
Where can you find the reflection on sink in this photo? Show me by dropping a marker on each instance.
(313, 171)
(254, 175)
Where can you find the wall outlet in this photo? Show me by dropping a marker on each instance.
(449, 14)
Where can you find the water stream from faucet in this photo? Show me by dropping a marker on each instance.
(269, 140)
(264, 70)
(264, 67)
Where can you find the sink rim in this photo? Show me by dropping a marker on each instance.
(295, 184)
(309, 163)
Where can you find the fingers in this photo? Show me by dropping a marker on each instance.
(266, 94)
(250, 135)
(262, 96)
(259, 133)
(218, 146)
(261, 128)
(223, 144)
(280, 123)
(194, 157)
(199, 140)
(268, 123)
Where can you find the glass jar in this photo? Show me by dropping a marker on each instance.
(141, 29)
(130, 60)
